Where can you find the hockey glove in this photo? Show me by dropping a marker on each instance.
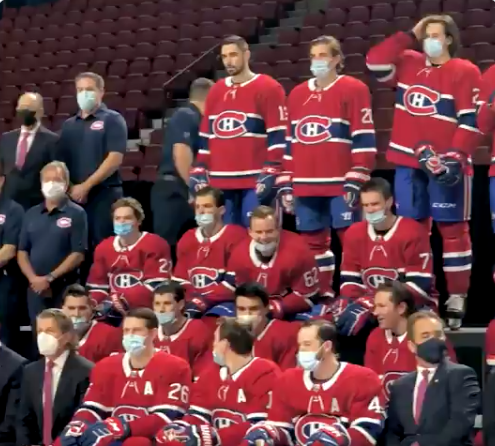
(330, 435)
(275, 309)
(285, 192)
(454, 168)
(265, 184)
(70, 435)
(428, 160)
(354, 180)
(113, 428)
(352, 315)
(198, 178)
(261, 433)
(195, 308)
(188, 434)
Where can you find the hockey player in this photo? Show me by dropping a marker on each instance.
(203, 253)
(226, 400)
(331, 152)
(383, 247)
(97, 340)
(274, 339)
(129, 265)
(131, 394)
(433, 137)
(325, 402)
(190, 339)
(243, 127)
(490, 345)
(280, 261)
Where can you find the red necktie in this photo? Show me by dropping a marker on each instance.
(22, 150)
(48, 403)
(420, 394)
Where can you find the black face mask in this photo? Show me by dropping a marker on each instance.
(28, 117)
(432, 350)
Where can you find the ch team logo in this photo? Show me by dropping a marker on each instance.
(130, 413)
(374, 277)
(202, 278)
(313, 130)
(388, 379)
(421, 101)
(125, 280)
(229, 124)
(307, 425)
(223, 418)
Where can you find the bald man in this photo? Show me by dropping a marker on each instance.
(24, 152)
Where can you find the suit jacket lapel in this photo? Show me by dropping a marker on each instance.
(38, 390)
(63, 388)
(36, 140)
(408, 396)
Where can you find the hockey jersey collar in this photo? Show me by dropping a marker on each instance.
(265, 330)
(374, 237)
(120, 248)
(224, 371)
(202, 239)
(309, 384)
(175, 336)
(389, 337)
(84, 339)
(256, 261)
(230, 83)
(312, 84)
(126, 366)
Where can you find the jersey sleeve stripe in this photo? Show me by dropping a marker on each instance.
(256, 417)
(382, 73)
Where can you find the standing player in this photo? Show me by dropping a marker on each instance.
(331, 152)
(243, 127)
(227, 400)
(384, 247)
(325, 402)
(203, 253)
(132, 394)
(433, 138)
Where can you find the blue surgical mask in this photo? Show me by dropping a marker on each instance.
(122, 228)
(265, 249)
(319, 68)
(432, 350)
(133, 344)
(79, 323)
(307, 360)
(204, 220)
(86, 100)
(218, 359)
(432, 47)
(165, 318)
(375, 218)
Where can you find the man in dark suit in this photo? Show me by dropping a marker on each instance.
(437, 404)
(53, 387)
(11, 369)
(26, 150)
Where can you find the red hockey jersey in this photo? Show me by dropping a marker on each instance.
(390, 357)
(278, 343)
(490, 345)
(486, 114)
(331, 132)
(193, 343)
(201, 262)
(148, 398)
(352, 397)
(232, 403)
(433, 104)
(243, 129)
(290, 277)
(403, 253)
(131, 272)
(100, 341)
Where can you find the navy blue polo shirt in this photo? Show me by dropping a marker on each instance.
(49, 237)
(11, 215)
(85, 143)
(182, 128)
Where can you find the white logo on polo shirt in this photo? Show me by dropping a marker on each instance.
(2, 219)
(64, 222)
(97, 125)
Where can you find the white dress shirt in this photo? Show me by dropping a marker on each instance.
(30, 139)
(419, 378)
(58, 366)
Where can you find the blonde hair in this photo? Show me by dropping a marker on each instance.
(64, 323)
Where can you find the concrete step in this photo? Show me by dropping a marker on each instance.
(269, 38)
(291, 22)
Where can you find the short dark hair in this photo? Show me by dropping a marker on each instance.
(450, 27)
(326, 331)
(99, 81)
(238, 336)
(422, 314)
(200, 87)
(253, 290)
(379, 185)
(236, 40)
(399, 293)
(76, 290)
(171, 287)
(63, 322)
(217, 194)
(145, 314)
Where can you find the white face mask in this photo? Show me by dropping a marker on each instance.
(307, 360)
(265, 249)
(47, 344)
(53, 189)
(248, 319)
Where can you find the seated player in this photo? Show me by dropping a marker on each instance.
(132, 394)
(190, 339)
(226, 400)
(129, 265)
(97, 340)
(383, 247)
(274, 339)
(387, 349)
(325, 401)
(280, 261)
(203, 253)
